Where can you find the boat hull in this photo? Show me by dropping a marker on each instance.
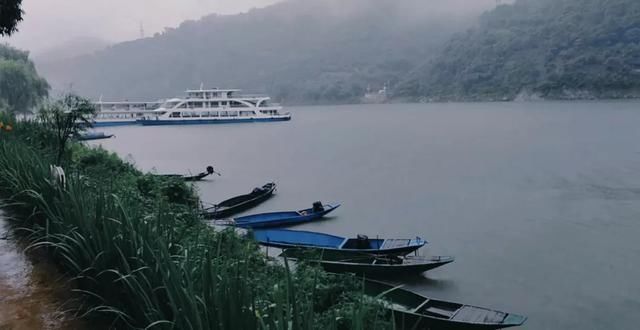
(114, 123)
(92, 137)
(250, 202)
(384, 271)
(280, 219)
(402, 299)
(163, 122)
(331, 247)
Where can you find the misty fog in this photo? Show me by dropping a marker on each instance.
(91, 24)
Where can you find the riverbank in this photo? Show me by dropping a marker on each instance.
(137, 250)
(34, 293)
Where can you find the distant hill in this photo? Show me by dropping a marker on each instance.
(560, 49)
(299, 51)
(70, 49)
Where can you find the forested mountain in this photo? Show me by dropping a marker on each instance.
(561, 49)
(299, 51)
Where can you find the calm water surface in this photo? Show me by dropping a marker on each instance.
(539, 202)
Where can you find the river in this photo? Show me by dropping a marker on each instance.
(538, 202)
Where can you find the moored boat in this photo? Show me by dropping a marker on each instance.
(197, 177)
(88, 136)
(240, 203)
(375, 266)
(336, 245)
(414, 311)
(215, 106)
(281, 219)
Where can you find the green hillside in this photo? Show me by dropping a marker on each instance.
(298, 51)
(561, 49)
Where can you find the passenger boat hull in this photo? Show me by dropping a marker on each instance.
(114, 123)
(162, 122)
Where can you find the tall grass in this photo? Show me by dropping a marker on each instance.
(137, 251)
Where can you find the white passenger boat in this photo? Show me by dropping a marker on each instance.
(122, 113)
(214, 106)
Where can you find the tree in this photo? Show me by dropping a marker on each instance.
(10, 15)
(67, 118)
(21, 88)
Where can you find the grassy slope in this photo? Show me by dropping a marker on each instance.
(137, 251)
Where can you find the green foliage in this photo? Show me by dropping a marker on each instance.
(65, 118)
(21, 88)
(315, 51)
(10, 15)
(144, 260)
(552, 48)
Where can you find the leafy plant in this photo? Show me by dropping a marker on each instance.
(67, 117)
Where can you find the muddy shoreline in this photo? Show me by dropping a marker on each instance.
(33, 293)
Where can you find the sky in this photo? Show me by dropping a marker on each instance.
(52, 22)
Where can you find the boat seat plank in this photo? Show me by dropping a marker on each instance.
(395, 243)
(477, 315)
(417, 309)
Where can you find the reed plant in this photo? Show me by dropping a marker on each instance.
(137, 251)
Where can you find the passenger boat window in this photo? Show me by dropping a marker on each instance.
(233, 113)
(183, 106)
(224, 113)
(204, 114)
(214, 113)
(214, 104)
(236, 104)
(174, 115)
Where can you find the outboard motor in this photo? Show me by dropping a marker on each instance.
(210, 169)
(317, 207)
(363, 242)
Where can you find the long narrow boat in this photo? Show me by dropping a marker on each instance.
(376, 266)
(88, 136)
(191, 178)
(240, 203)
(336, 245)
(414, 311)
(282, 219)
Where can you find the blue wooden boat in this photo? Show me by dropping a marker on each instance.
(338, 245)
(281, 219)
